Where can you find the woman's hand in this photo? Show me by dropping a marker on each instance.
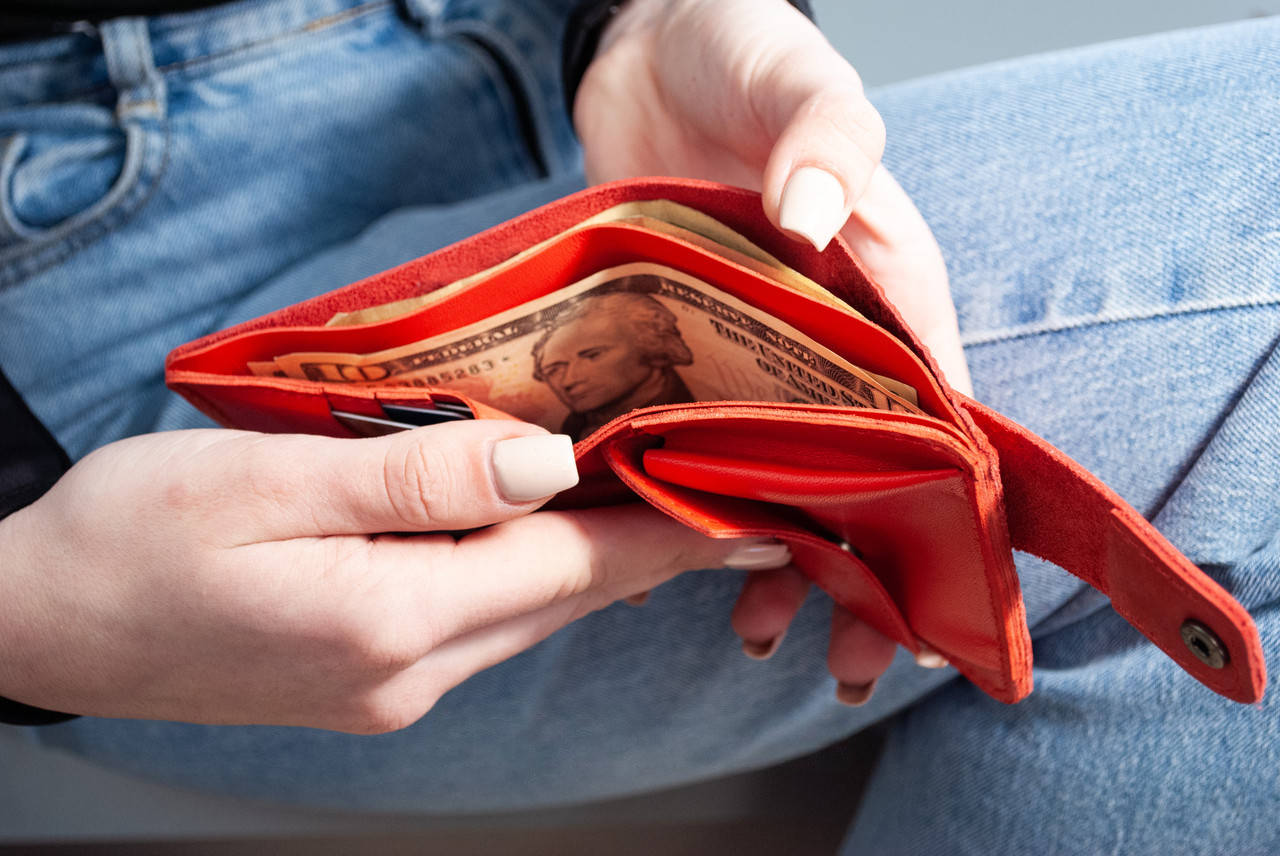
(749, 92)
(230, 577)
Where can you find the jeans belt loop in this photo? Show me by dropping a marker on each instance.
(126, 43)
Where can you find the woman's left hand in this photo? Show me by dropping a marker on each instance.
(749, 92)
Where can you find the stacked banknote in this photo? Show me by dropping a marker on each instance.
(630, 336)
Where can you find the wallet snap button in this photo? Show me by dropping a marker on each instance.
(1202, 642)
(849, 548)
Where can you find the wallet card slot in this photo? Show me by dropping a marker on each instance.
(401, 417)
(778, 482)
(368, 426)
(440, 412)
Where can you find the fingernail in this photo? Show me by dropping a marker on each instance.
(928, 658)
(759, 556)
(638, 599)
(528, 468)
(812, 205)
(762, 650)
(855, 695)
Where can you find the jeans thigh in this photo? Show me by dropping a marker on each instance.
(1148, 289)
(1117, 751)
(1110, 222)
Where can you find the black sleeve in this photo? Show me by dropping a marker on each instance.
(30, 462)
(21, 20)
(582, 36)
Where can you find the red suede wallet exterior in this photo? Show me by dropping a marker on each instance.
(908, 521)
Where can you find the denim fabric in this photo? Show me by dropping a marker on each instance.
(1109, 217)
(1111, 221)
(156, 172)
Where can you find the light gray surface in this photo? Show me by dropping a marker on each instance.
(53, 795)
(50, 796)
(901, 39)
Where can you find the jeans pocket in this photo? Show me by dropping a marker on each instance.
(518, 56)
(69, 174)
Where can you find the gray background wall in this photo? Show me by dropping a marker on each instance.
(893, 40)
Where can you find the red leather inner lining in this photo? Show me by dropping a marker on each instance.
(836, 268)
(769, 481)
(571, 258)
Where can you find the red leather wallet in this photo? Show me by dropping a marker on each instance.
(908, 521)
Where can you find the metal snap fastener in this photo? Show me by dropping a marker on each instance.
(849, 548)
(1202, 642)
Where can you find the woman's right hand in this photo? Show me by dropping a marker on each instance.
(231, 577)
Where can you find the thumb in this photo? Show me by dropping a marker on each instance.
(829, 140)
(455, 476)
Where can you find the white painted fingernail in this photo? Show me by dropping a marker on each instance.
(759, 556)
(529, 468)
(930, 659)
(812, 205)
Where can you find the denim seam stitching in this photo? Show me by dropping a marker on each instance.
(331, 21)
(324, 25)
(221, 15)
(524, 162)
(1193, 309)
(315, 26)
(540, 137)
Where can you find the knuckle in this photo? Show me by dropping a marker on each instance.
(580, 538)
(605, 548)
(381, 712)
(875, 128)
(853, 117)
(181, 498)
(263, 471)
(376, 645)
(689, 558)
(685, 549)
(420, 483)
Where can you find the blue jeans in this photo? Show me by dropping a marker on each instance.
(1110, 220)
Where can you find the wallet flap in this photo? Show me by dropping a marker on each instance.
(1058, 511)
(915, 506)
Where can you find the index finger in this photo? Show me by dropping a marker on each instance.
(829, 141)
(528, 563)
